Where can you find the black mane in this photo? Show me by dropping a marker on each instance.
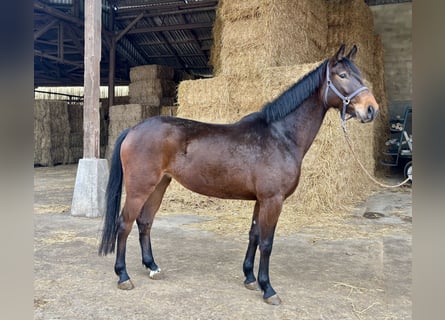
(291, 99)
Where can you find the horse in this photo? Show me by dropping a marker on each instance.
(257, 158)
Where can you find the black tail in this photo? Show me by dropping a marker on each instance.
(113, 196)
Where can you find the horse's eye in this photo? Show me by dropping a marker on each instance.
(342, 75)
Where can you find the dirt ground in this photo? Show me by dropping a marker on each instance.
(358, 269)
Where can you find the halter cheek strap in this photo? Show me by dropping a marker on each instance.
(346, 99)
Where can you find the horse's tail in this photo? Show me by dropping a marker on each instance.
(113, 196)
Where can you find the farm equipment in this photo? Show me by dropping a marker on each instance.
(400, 145)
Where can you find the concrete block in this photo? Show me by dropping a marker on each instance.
(90, 188)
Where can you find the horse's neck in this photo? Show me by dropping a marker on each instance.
(305, 121)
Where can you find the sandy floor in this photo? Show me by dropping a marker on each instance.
(356, 267)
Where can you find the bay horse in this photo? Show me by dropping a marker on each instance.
(257, 158)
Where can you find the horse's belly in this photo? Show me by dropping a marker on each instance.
(227, 181)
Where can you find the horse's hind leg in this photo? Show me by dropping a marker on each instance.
(250, 281)
(145, 222)
(125, 222)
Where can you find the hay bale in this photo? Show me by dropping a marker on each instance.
(75, 118)
(147, 100)
(259, 34)
(148, 88)
(126, 116)
(151, 72)
(169, 111)
(204, 99)
(351, 21)
(51, 132)
(330, 181)
(220, 99)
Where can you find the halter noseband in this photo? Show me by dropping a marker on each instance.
(346, 100)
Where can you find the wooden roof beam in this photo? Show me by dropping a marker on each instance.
(184, 26)
(57, 13)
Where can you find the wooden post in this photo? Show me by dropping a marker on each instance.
(112, 61)
(91, 115)
(92, 172)
(111, 73)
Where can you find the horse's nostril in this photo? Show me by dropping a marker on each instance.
(371, 111)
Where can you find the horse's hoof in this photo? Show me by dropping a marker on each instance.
(273, 300)
(156, 274)
(125, 285)
(252, 286)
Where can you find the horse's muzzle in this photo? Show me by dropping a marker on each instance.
(369, 114)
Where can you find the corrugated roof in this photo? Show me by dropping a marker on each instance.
(167, 32)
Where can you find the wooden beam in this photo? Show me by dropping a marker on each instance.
(44, 29)
(130, 25)
(167, 12)
(60, 49)
(168, 5)
(91, 120)
(56, 13)
(47, 56)
(111, 73)
(173, 27)
(72, 33)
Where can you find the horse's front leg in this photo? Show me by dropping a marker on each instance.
(269, 212)
(249, 260)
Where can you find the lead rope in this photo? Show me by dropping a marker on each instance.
(343, 125)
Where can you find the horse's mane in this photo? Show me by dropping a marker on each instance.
(294, 96)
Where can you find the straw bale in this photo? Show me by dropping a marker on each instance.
(151, 72)
(126, 116)
(148, 100)
(251, 36)
(331, 179)
(51, 132)
(158, 87)
(347, 12)
(351, 21)
(204, 99)
(169, 110)
(244, 51)
(381, 134)
(243, 10)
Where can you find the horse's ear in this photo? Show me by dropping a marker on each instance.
(352, 53)
(340, 53)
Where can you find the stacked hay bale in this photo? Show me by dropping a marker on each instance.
(253, 35)
(122, 117)
(260, 49)
(351, 21)
(75, 118)
(51, 132)
(152, 86)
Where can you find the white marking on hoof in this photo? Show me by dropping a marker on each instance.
(155, 274)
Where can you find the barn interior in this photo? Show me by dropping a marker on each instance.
(217, 61)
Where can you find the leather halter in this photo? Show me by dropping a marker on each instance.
(346, 99)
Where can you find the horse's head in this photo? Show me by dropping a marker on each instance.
(344, 88)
